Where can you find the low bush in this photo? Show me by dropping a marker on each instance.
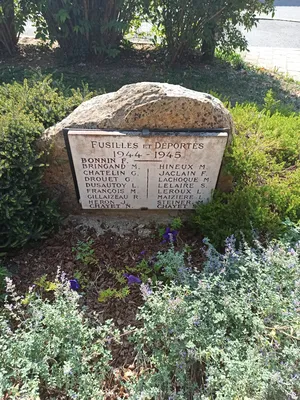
(51, 348)
(43, 99)
(25, 111)
(264, 164)
(83, 28)
(231, 333)
(25, 211)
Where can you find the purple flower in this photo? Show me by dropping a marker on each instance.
(143, 252)
(170, 235)
(74, 284)
(131, 279)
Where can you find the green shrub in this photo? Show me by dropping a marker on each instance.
(51, 347)
(263, 161)
(232, 333)
(187, 25)
(41, 98)
(25, 211)
(266, 142)
(249, 208)
(83, 28)
(25, 111)
(292, 233)
(236, 60)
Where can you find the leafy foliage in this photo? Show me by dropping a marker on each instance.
(45, 284)
(45, 100)
(12, 21)
(52, 347)
(109, 294)
(292, 233)
(181, 23)
(176, 223)
(25, 111)
(82, 27)
(25, 211)
(231, 332)
(186, 25)
(224, 29)
(264, 163)
(85, 253)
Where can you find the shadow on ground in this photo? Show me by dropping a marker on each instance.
(136, 65)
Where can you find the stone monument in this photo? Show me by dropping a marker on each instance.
(150, 146)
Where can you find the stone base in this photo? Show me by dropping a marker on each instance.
(140, 223)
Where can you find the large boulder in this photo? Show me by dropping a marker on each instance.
(145, 105)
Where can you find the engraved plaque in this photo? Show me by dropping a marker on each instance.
(150, 170)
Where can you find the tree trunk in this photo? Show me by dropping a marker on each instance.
(8, 35)
(208, 51)
(209, 43)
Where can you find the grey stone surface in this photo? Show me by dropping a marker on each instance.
(120, 226)
(154, 170)
(150, 105)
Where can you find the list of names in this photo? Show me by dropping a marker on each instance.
(156, 171)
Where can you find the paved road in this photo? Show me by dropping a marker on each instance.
(275, 44)
(287, 3)
(274, 33)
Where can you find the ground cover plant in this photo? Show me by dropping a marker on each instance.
(49, 348)
(39, 264)
(228, 331)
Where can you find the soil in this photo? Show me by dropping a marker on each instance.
(112, 251)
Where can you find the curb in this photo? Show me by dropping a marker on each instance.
(278, 19)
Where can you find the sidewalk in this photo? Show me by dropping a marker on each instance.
(280, 59)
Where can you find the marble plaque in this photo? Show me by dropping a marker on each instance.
(145, 170)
